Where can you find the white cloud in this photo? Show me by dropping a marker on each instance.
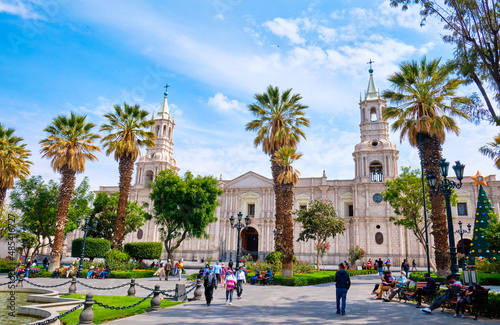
(224, 104)
(19, 8)
(219, 17)
(328, 35)
(288, 28)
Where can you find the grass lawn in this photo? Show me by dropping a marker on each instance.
(102, 315)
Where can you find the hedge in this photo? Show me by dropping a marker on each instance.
(492, 279)
(146, 250)
(275, 257)
(94, 247)
(312, 278)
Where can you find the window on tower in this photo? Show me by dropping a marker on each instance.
(164, 130)
(149, 178)
(376, 175)
(462, 209)
(251, 210)
(351, 211)
(373, 114)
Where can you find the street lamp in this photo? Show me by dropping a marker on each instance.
(445, 187)
(424, 200)
(462, 232)
(239, 226)
(86, 227)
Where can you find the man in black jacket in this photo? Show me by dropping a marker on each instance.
(342, 283)
(210, 283)
(428, 290)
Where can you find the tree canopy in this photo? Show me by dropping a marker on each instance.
(105, 210)
(183, 206)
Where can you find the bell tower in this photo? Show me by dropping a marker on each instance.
(375, 157)
(158, 157)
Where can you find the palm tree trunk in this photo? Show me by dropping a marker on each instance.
(287, 262)
(278, 241)
(126, 168)
(3, 194)
(431, 156)
(66, 190)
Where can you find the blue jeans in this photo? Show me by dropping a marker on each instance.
(254, 279)
(341, 294)
(229, 295)
(381, 271)
(439, 300)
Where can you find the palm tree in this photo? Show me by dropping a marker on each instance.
(424, 93)
(492, 150)
(287, 179)
(126, 135)
(14, 161)
(69, 144)
(279, 119)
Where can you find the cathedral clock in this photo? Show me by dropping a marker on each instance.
(377, 197)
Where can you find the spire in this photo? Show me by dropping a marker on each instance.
(372, 91)
(164, 112)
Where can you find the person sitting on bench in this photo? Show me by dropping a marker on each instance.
(428, 290)
(267, 276)
(104, 272)
(256, 276)
(400, 284)
(454, 288)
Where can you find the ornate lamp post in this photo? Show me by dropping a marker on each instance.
(446, 186)
(86, 227)
(239, 226)
(462, 232)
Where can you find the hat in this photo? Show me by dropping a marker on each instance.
(427, 274)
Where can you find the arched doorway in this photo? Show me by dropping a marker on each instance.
(467, 243)
(250, 242)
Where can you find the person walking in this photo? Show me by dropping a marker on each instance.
(230, 264)
(45, 263)
(405, 267)
(160, 271)
(223, 273)
(230, 285)
(380, 266)
(342, 283)
(388, 264)
(217, 271)
(168, 269)
(27, 269)
(210, 283)
(414, 265)
(241, 279)
(180, 268)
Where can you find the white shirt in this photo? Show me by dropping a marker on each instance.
(240, 275)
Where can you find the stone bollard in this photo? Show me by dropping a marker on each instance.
(180, 292)
(20, 282)
(155, 301)
(72, 287)
(131, 290)
(198, 292)
(87, 315)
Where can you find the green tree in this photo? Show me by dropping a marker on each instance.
(319, 222)
(424, 95)
(105, 211)
(287, 178)
(70, 143)
(492, 233)
(183, 207)
(404, 194)
(14, 161)
(279, 122)
(473, 27)
(126, 134)
(36, 205)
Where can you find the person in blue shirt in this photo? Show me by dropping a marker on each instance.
(342, 284)
(217, 271)
(400, 284)
(267, 276)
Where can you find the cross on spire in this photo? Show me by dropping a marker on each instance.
(370, 63)
(166, 89)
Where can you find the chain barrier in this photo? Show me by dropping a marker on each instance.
(193, 286)
(141, 286)
(51, 286)
(2, 284)
(123, 307)
(48, 321)
(97, 288)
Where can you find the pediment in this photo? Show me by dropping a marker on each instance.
(249, 180)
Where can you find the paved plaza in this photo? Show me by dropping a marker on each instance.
(279, 305)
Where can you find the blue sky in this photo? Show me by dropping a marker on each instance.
(86, 56)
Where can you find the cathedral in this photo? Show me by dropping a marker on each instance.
(358, 200)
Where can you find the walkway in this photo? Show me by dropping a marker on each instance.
(298, 305)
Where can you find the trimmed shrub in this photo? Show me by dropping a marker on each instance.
(314, 278)
(94, 247)
(492, 279)
(147, 250)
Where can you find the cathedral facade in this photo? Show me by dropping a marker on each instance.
(358, 201)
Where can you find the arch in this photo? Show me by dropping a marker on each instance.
(170, 133)
(373, 114)
(164, 130)
(148, 177)
(157, 131)
(250, 242)
(376, 174)
(467, 243)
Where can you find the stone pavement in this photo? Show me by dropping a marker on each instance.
(298, 305)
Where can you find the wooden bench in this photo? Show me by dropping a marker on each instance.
(261, 278)
(426, 298)
(473, 308)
